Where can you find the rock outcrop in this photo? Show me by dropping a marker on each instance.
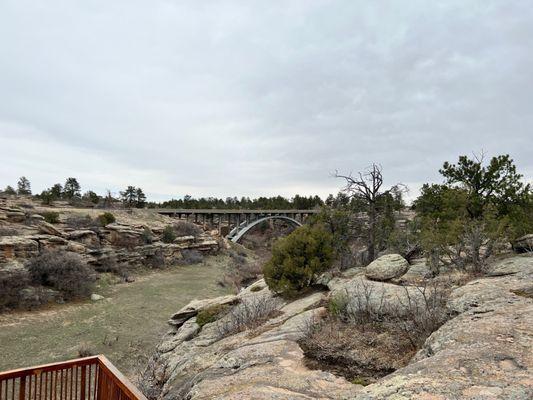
(482, 352)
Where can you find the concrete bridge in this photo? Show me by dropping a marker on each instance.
(234, 224)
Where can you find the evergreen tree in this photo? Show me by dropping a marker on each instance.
(129, 196)
(140, 200)
(23, 186)
(72, 188)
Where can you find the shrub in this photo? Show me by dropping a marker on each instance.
(51, 217)
(63, 271)
(241, 272)
(81, 222)
(184, 228)
(168, 235)
(298, 259)
(147, 236)
(210, 314)
(156, 261)
(191, 257)
(85, 350)
(106, 218)
(250, 313)
(12, 281)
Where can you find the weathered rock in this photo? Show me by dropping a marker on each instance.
(265, 364)
(188, 330)
(418, 272)
(191, 309)
(12, 247)
(15, 215)
(387, 267)
(524, 244)
(86, 237)
(386, 297)
(121, 235)
(49, 229)
(49, 242)
(483, 353)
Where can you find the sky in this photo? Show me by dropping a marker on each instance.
(252, 98)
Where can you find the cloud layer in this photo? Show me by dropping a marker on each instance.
(259, 98)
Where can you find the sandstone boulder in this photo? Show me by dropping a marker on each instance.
(49, 229)
(387, 267)
(12, 247)
(84, 236)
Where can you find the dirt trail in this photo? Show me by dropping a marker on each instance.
(125, 326)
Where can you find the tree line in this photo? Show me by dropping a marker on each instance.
(71, 191)
(266, 203)
(134, 197)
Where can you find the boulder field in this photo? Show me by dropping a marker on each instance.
(485, 351)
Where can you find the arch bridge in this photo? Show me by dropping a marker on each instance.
(234, 224)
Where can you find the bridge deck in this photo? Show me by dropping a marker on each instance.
(229, 211)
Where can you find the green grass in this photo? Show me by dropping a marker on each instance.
(126, 326)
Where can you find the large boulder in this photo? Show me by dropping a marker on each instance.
(387, 267)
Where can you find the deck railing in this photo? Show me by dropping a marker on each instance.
(90, 378)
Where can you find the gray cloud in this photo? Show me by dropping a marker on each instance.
(253, 98)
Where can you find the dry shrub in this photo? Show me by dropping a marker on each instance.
(184, 228)
(156, 260)
(250, 313)
(190, 257)
(360, 353)
(82, 222)
(369, 335)
(242, 271)
(12, 282)
(85, 350)
(63, 271)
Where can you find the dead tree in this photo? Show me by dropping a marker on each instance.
(366, 186)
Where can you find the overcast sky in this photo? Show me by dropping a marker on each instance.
(259, 97)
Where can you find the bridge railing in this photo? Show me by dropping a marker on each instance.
(90, 378)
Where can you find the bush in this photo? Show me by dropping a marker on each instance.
(12, 281)
(298, 259)
(85, 350)
(147, 236)
(250, 313)
(168, 235)
(51, 217)
(191, 257)
(63, 271)
(156, 261)
(106, 218)
(184, 228)
(81, 222)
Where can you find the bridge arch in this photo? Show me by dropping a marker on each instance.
(237, 233)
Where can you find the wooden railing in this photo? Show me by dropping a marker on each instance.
(90, 378)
